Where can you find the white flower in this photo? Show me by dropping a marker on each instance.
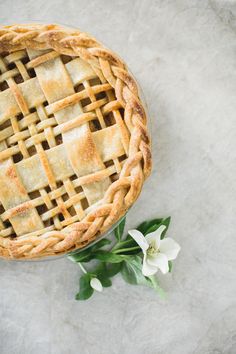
(156, 252)
(96, 284)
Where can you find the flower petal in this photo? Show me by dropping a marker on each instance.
(96, 284)
(170, 248)
(155, 236)
(160, 261)
(140, 239)
(148, 269)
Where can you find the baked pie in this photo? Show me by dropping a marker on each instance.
(74, 147)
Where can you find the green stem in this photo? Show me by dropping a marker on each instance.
(122, 243)
(82, 258)
(153, 280)
(157, 287)
(120, 250)
(82, 268)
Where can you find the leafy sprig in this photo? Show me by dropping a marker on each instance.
(123, 257)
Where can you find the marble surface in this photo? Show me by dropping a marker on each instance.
(184, 53)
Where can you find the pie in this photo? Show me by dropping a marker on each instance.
(74, 146)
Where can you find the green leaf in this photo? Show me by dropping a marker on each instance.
(113, 269)
(85, 289)
(105, 256)
(106, 282)
(165, 222)
(147, 225)
(152, 225)
(132, 272)
(119, 230)
(107, 270)
(170, 264)
(152, 229)
(100, 244)
(83, 256)
(101, 272)
(156, 287)
(87, 255)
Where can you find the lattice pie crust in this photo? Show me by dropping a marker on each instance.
(74, 148)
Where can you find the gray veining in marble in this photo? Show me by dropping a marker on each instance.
(184, 53)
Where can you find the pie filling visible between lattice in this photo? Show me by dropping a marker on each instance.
(71, 153)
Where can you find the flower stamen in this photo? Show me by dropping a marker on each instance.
(152, 249)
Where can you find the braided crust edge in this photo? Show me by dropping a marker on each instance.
(122, 193)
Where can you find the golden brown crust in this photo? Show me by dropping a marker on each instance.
(121, 194)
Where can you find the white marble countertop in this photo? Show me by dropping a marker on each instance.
(184, 53)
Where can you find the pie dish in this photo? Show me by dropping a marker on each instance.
(74, 146)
